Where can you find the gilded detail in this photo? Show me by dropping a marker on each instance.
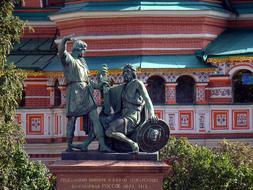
(232, 59)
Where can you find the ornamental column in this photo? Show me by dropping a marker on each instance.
(201, 93)
(62, 87)
(170, 93)
(51, 95)
(63, 95)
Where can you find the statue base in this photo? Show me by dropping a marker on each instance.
(109, 174)
(96, 155)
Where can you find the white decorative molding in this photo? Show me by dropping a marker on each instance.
(35, 83)
(62, 81)
(27, 97)
(113, 14)
(142, 49)
(41, 23)
(138, 36)
(51, 81)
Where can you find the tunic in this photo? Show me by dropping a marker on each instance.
(79, 99)
(127, 101)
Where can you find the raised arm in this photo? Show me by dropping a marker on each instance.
(63, 45)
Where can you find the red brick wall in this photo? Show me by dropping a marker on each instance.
(40, 32)
(32, 3)
(37, 90)
(143, 25)
(37, 103)
(214, 83)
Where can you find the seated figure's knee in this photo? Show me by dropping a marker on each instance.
(108, 132)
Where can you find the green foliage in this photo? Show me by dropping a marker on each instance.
(241, 153)
(198, 167)
(17, 172)
(10, 29)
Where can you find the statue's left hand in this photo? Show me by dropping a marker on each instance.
(153, 119)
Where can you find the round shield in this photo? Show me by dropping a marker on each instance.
(151, 136)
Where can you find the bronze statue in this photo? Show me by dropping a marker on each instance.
(128, 101)
(79, 99)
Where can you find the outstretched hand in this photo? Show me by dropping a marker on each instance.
(153, 119)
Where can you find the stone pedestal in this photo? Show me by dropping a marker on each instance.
(109, 174)
(96, 155)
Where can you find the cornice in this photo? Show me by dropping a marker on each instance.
(41, 23)
(112, 14)
(140, 36)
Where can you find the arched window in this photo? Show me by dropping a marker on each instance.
(185, 90)
(243, 86)
(156, 89)
(57, 94)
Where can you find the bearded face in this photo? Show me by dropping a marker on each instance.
(79, 48)
(127, 75)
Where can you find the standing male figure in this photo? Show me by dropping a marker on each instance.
(133, 97)
(79, 99)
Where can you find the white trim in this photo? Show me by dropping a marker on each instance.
(33, 79)
(142, 49)
(217, 88)
(201, 84)
(244, 17)
(44, 97)
(218, 78)
(41, 23)
(35, 82)
(111, 14)
(221, 96)
(137, 36)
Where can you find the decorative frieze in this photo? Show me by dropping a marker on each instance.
(202, 121)
(170, 93)
(202, 76)
(220, 119)
(186, 120)
(35, 124)
(172, 121)
(171, 77)
(201, 93)
(240, 119)
(222, 92)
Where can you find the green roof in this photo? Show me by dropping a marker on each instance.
(244, 8)
(33, 53)
(33, 16)
(144, 62)
(135, 5)
(41, 54)
(231, 42)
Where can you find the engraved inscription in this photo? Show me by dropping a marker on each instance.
(92, 183)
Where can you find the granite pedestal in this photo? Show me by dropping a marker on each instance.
(109, 174)
(96, 155)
